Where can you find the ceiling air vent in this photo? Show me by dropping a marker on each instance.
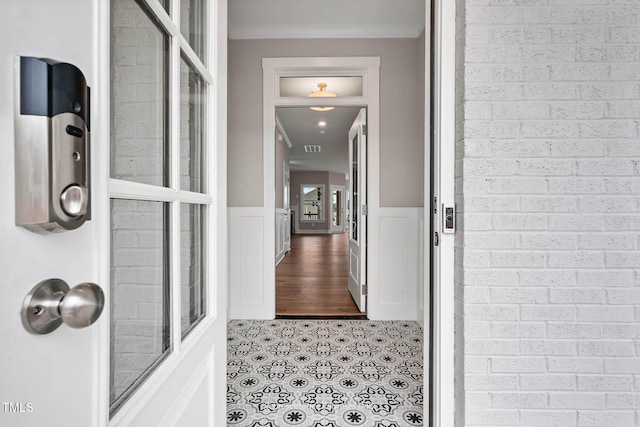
(311, 148)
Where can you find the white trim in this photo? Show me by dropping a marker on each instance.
(273, 69)
(120, 189)
(423, 270)
(444, 46)
(260, 33)
(217, 297)
(101, 123)
(283, 133)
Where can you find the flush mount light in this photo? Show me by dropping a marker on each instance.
(322, 92)
(322, 124)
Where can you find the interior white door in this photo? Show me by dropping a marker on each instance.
(357, 210)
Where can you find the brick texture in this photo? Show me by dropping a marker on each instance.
(139, 254)
(548, 193)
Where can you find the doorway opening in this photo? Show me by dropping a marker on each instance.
(320, 273)
(281, 78)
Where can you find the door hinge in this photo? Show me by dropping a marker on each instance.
(365, 289)
(436, 239)
(365, 209)
(435, 205)
(364, 130)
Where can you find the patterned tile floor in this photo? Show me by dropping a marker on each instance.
(324, 373)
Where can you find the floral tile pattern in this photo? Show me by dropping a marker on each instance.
(324, 373)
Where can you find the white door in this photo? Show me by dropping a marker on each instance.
(337, 208)
(53, 378)
(357, 210)
(64, 378)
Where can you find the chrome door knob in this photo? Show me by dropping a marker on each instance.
(82, 305)
(51, 303)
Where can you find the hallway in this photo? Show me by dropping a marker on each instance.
(324, 373)
(312, 278)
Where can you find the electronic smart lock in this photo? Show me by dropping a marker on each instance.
(51, 145)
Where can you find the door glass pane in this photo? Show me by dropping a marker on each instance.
(193, 25)
(336, 207)
(354, 188)
(140, 334)
(192, 99)
(192, 273)
(297, 87)
(139, 64)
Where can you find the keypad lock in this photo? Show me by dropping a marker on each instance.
(52, 153)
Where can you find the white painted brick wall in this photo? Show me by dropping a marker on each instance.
(548, 191)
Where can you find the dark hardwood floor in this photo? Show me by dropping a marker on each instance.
(312, 279)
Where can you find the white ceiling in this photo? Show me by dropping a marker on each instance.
(301, 127)
(278, 19)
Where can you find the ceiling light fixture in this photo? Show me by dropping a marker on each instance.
(322, 124)
(322, 92)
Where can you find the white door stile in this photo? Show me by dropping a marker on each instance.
(101, 108)
(269, 82)
(443, 305)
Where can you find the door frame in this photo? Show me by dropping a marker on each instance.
(274, 68)
(440, 134)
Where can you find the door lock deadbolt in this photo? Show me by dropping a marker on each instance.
(52, 152)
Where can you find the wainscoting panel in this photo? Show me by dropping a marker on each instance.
(393, 264)
(353, 265)
(283, 234)
(250, 263)
(393, 276)
(394, 257)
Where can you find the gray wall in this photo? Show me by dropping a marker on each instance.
(548, 250)
(327, 179)
(401, 112)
